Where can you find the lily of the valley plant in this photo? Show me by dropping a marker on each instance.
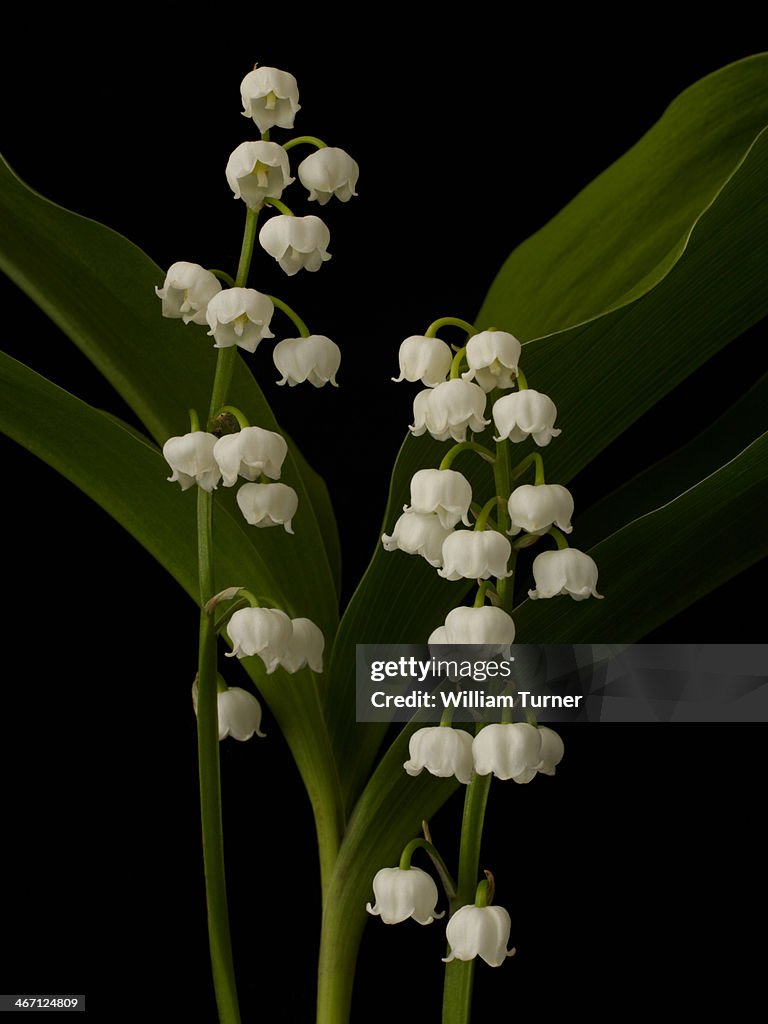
(613, 310)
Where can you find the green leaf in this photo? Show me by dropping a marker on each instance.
(603, 375)
(127, 477)
(626, 229)
(99, 288)
(657, 565)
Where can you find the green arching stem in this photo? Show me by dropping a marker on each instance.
(299, 324)
(448, 321)
(483, 895)
(486, 510)
(224, 618)
(210, 784)
(558, 537)
(522, 383)
(239, 415)
(194, 420)
(482, 589)
(265, 136)
(446, 719)
(459, 974)
(310, 140)
(424, 844)
(456, 364)
(252, 600)
(466, 446)
(534, 459)
(227, 357)
(278, 205)
(223, 276)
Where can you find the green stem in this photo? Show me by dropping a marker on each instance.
(522, 383)
(456, 364)
(459, 974)
(223, 276)
(227, 357)
(210, 783)
(466, 446)
(482, 589)
(194, 420)
(534, 459)
(278, 205)
(424, 844)
(558, 537)
(448, 321)
(310, 140)
(501, 476)
(292, 315)
(239, 415)
(485, 511)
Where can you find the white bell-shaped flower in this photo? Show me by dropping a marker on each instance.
(192, 460)
(257, 171)
(479, 931)
(448, 410)
(186, 292)
(552, 751)
(523, 414)
(492, 357)
(401, 893)
(263, 631)
(296, 242)
(270, 97)
(442, 491)
(239, 316)
(443, 751)
(508, 751)
(485, 625)
(239, 713)
(565, 571)
(425, 359)
(475, 555)
(306, 647)
(316, 359)
(418, 534)
(268, 504)
(249, 453)
(535, 508)
(329, 172)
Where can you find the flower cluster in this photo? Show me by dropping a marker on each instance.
(258, 172)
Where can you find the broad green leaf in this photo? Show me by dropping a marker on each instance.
(722, 440)
(99, 289)
(625, 230)
(603, 375)
(665, 560)
(127, 477)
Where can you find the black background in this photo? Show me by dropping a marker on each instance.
(636, 865)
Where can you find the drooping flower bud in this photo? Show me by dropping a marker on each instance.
(263, 631)
(448, 410)
(305, 647)
(492, 357)
(565, 571)
(239, 713)
(401, 893)
(329, 172)
(485, 625)
(418, 534)
(296, 242)
(442, 491)
(479, 931)
(475, 555)
(239, 316)
(315, 359)
(523, 414)
(270, 97)
(534, 508)
(186, 292)
(443, 751)
(192, 461)
(425, 359)
(509, 751)
(257, 171)
(268, 504)
(249, 453)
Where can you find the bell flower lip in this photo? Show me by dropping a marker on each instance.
(257, 171)
(401, 893)
(425, 359)
(263, 631)
(249, 453)
(265, 505)
(239, 316)
(305, 647)
(328, 172)
(186, 292)
(297, 243)
(190, 456)
(315, 359)
(475, 555)
(270, 97)
(493, 357)
(479, 931)
(523, 414)
(534, 508)
(416, 533)
(507, 750)
(449, 410)
(444, 492)
(443, 751)
(565, 571)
